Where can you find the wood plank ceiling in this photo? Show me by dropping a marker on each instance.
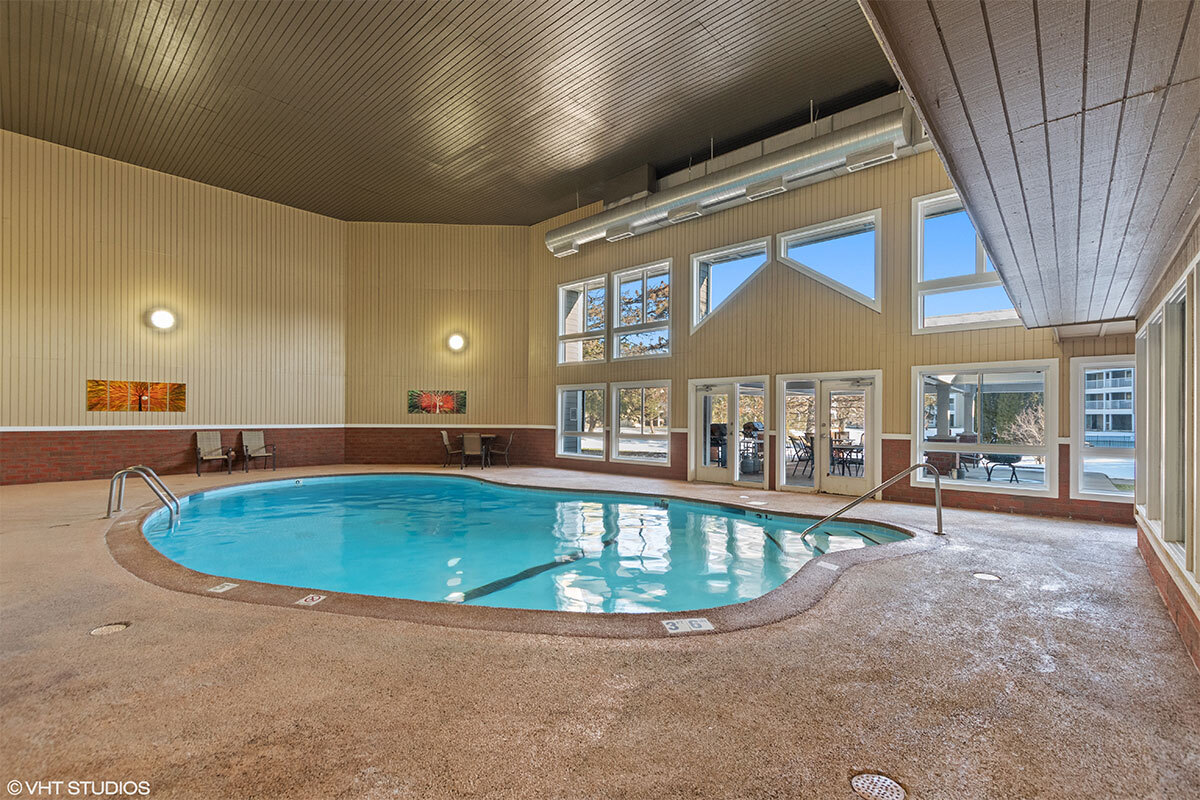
(473, 111)
(1070, 129)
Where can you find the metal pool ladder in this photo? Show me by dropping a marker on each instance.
(117, 490)
(937, 497)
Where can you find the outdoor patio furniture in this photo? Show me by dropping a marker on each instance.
(253, 447)
(496, 449)
(968, 460)
(208, 448)
(1006, 460)
(450, 451)
(846, 458)
(472, 447)
(801, 454)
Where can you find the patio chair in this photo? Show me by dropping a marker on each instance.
(208, 448)
(472, 447)
(969, 460)
(991, 461)
(450, 451)
(254, 447)
(801, 454)
(495, 449)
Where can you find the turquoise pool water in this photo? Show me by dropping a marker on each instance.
(457, 540)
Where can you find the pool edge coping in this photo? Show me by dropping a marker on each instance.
(804, 589)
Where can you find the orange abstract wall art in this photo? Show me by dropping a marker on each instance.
(136, 396)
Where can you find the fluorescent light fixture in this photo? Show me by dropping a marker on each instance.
(617, 233)
(757, 191)
(684, 213)
(456, 342)
(161, 319)
(870, 157)
(568, 249)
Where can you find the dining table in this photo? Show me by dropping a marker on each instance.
(842, 453)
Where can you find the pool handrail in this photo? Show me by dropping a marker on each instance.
(165, 495)
(937, 497)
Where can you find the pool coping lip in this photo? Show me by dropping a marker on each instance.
(800, 592)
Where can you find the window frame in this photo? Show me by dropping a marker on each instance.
(1079, 366)
(616, 330)
(1049, 450)
(762, 243)
(1169, 524)
(922, 207)
(566, 338)
(558, 423)
(832, 229)
(614, 446)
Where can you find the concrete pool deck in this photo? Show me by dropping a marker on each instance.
(1066, 678)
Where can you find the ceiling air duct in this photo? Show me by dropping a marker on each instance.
(684, 213)
(870, 157)
(757, 191)
(859, 145)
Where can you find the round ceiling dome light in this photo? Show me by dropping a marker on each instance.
(161, 319)
(456, 342)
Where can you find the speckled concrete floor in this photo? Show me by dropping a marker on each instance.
(1065, 679)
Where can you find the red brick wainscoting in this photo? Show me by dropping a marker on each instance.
(530, 447)
(424, 445)
(897, 455)
(1181, 612)
(73, 455)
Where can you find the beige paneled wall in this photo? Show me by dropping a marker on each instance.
(88, 244)
(287, 317)
(412, 286)
(783, 322)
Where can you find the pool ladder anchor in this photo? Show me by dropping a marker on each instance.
(937, 497)
(116, 490)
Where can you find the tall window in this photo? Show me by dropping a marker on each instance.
(718, 275)
(1166, 376)
(581, 428)
(989, 427)
(955, 285)
(581, 321)
(642, 431)
(1102, 428)
(642, 317)
(842, 254)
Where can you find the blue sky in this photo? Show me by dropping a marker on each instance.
(850, 260)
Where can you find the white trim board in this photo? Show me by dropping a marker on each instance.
(252, 425)
(194, 427)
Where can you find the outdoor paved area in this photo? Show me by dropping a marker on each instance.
(1064, 679)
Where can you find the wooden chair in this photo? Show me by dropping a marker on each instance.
(450, 451)
(472, 447)
(254, 447)
(496, 449)
(208, 448)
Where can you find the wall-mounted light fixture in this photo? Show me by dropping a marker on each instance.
(161, 319)
(456, 342)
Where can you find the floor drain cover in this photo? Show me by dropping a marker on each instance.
(876, 787)
(112, 627)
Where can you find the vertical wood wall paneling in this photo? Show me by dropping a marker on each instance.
(287, 317)
(410, 287)
(89, 244)
(785, 322)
